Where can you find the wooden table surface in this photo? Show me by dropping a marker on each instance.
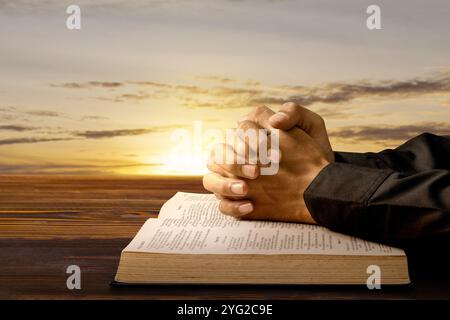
(50, 222)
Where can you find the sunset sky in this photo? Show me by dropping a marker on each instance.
(107, 98)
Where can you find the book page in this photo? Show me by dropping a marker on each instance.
(192, 224)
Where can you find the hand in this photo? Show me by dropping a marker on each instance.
(272, 197)
(292, 115)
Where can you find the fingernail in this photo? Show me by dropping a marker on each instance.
(237, 188)
(245, 208)
(279, 117)
(249, 171)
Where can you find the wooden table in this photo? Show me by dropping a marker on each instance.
(50, 222)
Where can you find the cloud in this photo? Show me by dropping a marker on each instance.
(88, 117)
(151, 84)
(89, 134)
(8, 113)
(232, 91)
(220, 79)
(235, 96)
(7, 109)
(344, 92)
(15, 127)
(131, 96)
(101, 134)
(157, 90)
(13, 113)
(333, 93)
(252, 83)
(199, 104)
(43, 113)
(190, 89)
(30, 140)
(336, 112)
(384, 133)
(78, 135)
(87, 85)
(339, 92)
(264, 100)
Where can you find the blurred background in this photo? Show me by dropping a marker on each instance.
(107, 98)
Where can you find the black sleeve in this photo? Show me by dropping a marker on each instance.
(403, 203)
(424, 152)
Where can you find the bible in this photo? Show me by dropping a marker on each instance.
(191, 242)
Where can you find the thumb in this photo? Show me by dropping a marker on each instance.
(292, 115)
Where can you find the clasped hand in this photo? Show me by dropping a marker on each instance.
(304, 150)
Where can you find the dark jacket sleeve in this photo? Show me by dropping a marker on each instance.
(399, 197)
(424, 152)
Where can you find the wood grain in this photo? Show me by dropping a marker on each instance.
(50, 222)
(69, 207)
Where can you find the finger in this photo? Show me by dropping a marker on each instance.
(235, 208)
(249, 171)
(224, 186)
(251, 139)
(218, 163)
(292, 114)
(261, 116)
(222, 153)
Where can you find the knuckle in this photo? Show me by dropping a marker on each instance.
(216, 154)
(205, 182)
(291, 103)
(210, 166)
(246, 125)
(260, 109)
(319, 120)
(232, 167)
(224, 207)
(291, 106)
(224, 188)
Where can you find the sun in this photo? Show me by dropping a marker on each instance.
(182, 165)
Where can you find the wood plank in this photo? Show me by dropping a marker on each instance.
(50, 222)
(71, 207)
(33, 269)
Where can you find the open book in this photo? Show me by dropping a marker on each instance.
(192, 242)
